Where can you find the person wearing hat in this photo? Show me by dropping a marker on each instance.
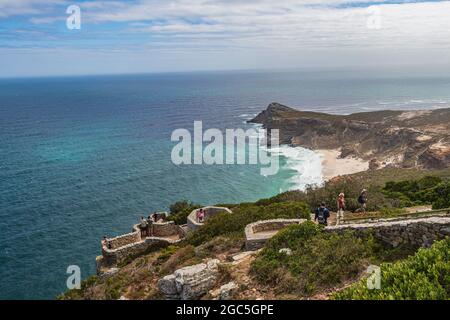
(340, 208)
(362, 200)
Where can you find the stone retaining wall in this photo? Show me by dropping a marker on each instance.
(165, 229)
(417, 232)
(192, 223)
(119, 249)
(113, 257)
(123, 240)
(420, 231)
(258, 233)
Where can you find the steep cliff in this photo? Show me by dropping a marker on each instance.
(387, 138)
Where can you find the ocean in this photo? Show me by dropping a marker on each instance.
(83, 157)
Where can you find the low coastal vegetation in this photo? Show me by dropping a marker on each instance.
(428, 190)
(388, 191)
(180, 210)
(318, 262)
(426, 275)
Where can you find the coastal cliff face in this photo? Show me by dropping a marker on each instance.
(385, 138)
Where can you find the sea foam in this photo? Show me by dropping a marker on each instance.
(305, 164)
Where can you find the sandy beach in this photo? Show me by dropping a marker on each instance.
(333, 166)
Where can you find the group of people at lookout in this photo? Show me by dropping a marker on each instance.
(146, 224)
(322, 213)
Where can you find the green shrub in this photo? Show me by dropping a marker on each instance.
(235, 222)
(166, 253)
(177, 257)
(428, 190)
(267, 265)
(395, 194)
(232, 243)
(330, 191)
(425, 275)
(391, 212)
(442, 200)
(180, 210)
(78, 294)
(115, 285)
(319, 259)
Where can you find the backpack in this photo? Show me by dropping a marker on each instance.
(361, 199)
(321, 215)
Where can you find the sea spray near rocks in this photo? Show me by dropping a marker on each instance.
(306, 165)
(303, 166)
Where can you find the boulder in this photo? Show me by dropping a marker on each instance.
(227, 290)
(446, 231)
(191, 282)
(108, 272)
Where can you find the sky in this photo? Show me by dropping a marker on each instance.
(141, 36)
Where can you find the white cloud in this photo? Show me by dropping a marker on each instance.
(246, 34)
(10, 8)
(289, 22)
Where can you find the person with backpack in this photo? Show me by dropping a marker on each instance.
(322, 214)
(362, 200)
(340, 208)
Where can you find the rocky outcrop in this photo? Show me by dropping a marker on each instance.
(394, 138)
(191, 282)
(225, 292)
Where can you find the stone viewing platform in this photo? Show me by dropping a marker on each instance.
(131, 245)
(192, 222)
(118, 250)
(258, 233)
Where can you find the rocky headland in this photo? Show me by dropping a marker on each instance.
(406, 139)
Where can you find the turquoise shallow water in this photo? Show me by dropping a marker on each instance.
(86, 157)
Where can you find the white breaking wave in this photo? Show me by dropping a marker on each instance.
(247, 115)
(306, 164)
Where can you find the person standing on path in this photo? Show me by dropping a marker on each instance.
(149, 226)
(143, 227)
(362, 200)
(340, 208)
(322, 214)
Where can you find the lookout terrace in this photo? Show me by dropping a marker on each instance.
(118, 249)
(193, 223)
